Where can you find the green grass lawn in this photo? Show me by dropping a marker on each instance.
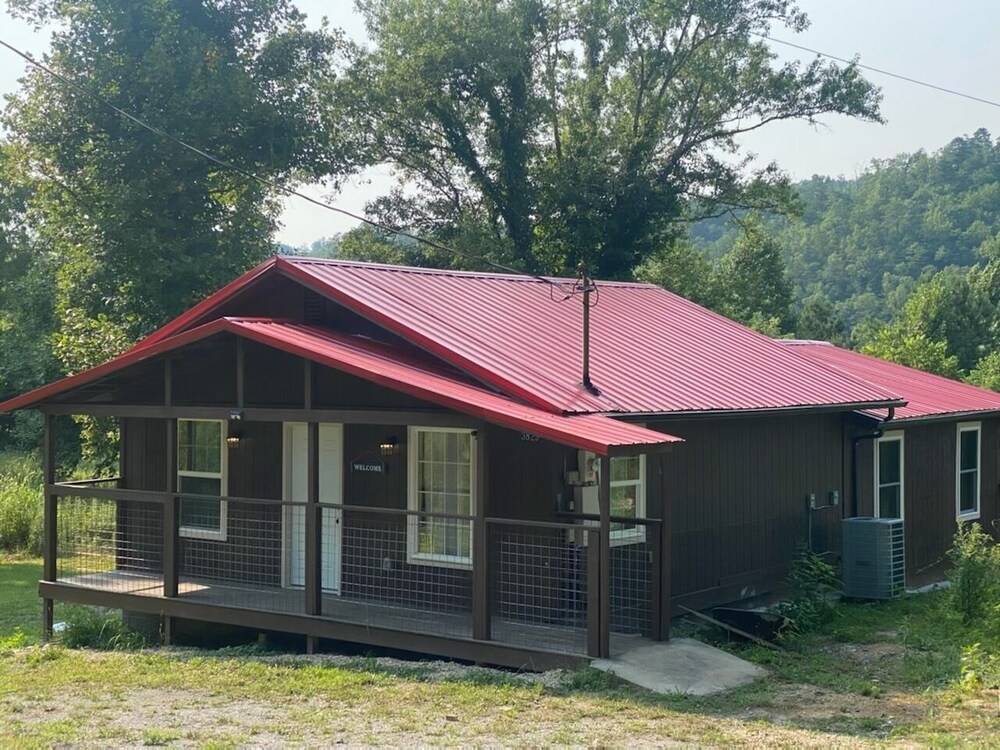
(879, 674)
(20, 607)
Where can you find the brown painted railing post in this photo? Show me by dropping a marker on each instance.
(604, 500)
(654, 541)
(50, 523)
(313, 530)
(480, 546)
(593, 592)
(171, 516)
(664, 531)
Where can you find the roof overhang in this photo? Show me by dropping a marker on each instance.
(392, 368)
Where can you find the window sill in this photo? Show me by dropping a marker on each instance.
(439, 561)
(205, 534)
(971, 515)
(626, 539)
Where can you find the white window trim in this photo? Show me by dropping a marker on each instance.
(637, 535)
(413, 501)
(891, 437)
(969, 515)
(191, 532)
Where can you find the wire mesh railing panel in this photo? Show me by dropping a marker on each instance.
(394, 576)
(239, 553)
(538, 587)
(113, 545)
(631, 587)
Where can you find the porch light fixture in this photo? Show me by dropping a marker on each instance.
(234, 433)
(388, 445)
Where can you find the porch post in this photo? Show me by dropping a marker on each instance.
(666, 549)
(171, 507)
(50, 509)
(313, 582)
(313, 530)
(604, 500)
(480, 544)
(593, 537)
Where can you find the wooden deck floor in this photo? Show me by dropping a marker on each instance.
(547, 637)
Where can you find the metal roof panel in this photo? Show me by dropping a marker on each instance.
(927, 395)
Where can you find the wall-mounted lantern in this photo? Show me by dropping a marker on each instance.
(388, 445)
(234, 431)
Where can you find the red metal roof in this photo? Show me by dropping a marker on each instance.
(927, 395)
(389, 366)
(651, 351)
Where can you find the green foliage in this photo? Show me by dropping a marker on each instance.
(751, 282)
(568, 132)
(124, 229)
(986, 374)
(15, 640)
(818, 321)
(87, 627)
(975, 575)
(20, 504)
(864, 243)
(980, 668)
(913, 349)
(678, 267)
(811, 584)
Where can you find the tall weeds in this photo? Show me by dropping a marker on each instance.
(20, 504)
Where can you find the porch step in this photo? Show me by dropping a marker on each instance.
(682, 665)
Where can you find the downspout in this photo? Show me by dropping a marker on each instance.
(854, 457)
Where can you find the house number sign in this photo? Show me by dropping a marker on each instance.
(527, 437)
(368, 467)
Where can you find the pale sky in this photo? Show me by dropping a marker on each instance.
(950, 44)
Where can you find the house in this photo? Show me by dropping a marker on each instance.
(442, 462)
(935, 462)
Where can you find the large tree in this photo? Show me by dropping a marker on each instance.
(139, 227)
(576, 131)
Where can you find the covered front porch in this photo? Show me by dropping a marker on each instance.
(385, 501)
(532, 597)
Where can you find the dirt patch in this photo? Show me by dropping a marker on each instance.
(867, 654)
(812, 706)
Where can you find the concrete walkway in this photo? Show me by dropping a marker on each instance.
(681, 665)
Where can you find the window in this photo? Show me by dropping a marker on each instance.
(628, 498)
(441, 470)
(201, 470)
(889, 476)
(967, 474)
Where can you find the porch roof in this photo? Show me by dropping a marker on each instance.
(392, 367)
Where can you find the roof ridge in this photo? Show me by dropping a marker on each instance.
(454, 272)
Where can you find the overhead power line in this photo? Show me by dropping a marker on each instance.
(889, 73)
(272, 185)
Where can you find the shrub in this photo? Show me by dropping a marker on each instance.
(811, 582)
(20, 504)
(90, 628)
(975, 575)
(979, 668)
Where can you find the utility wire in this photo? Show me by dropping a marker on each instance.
(889, 73)
(274, 185)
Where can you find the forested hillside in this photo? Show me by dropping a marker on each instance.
(864, 243)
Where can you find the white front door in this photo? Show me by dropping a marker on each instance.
(296, 464)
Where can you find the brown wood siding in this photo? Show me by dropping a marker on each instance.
(252, 549)
(335, 389)
(204, 374)
(929, 487)
(374, 545)
(738, 492)
(272, 378)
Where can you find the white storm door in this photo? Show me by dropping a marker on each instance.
(296, 464)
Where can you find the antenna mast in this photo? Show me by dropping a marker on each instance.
(586, 285)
